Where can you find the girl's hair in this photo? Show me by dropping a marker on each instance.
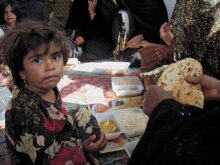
(15, 8)
(29, 35)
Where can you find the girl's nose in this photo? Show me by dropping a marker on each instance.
(50, 64)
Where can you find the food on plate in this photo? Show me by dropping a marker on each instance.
(117, 104)
(152, 76)
(132, 119)
(99, 108)
(108, 126)
(172, 79)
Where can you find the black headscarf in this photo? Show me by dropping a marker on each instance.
(79, 15)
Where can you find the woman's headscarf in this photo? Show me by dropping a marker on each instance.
(196, 28)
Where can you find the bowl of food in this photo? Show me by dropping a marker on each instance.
(132, 121)
(108, 125)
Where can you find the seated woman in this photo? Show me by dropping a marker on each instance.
(195, 38)
(180, 133)
(92, 31)
(145, 18)
(188, 36)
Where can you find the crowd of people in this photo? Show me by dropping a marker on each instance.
(95, 26)
(39, 130)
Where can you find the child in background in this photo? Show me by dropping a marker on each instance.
(39, 130)
(9, 14)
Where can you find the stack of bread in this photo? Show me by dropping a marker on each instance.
(172, 78)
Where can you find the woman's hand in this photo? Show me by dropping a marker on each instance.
(152, 55)
(210, 86)
(152, 97)
(79, 40)
(135, 41)
(161, 52)
(166, 34)
(91, 145)
(92, 8)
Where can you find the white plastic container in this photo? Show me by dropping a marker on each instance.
(137, 119)
(109, 116)
(127, 86)
(132, 122)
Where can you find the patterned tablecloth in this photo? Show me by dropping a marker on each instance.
(80, 89)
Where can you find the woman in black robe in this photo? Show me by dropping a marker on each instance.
(96, 32)
(148, 16)
(180, 134)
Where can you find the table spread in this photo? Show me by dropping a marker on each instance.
(86, 88)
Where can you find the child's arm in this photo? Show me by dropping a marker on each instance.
(89, 131)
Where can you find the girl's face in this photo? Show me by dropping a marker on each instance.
(43, 71)
(9, 16)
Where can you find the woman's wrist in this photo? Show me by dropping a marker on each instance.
(170, 46)
(141, 37)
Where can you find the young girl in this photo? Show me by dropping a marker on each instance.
(9, 14)
(38, 128)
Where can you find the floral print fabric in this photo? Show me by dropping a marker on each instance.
(39, 132)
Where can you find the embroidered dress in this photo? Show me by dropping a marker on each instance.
(57, 12)
(39, 132)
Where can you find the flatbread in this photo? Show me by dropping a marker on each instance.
(172, 79)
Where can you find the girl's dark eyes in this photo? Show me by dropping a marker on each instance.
(56, 56)
(37, 60)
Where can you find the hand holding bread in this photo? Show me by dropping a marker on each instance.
(210, 86)
(173, 78)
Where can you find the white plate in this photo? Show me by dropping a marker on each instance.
(111, 67)
(104, 67)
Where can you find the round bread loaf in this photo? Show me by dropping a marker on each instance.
(172, 79)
